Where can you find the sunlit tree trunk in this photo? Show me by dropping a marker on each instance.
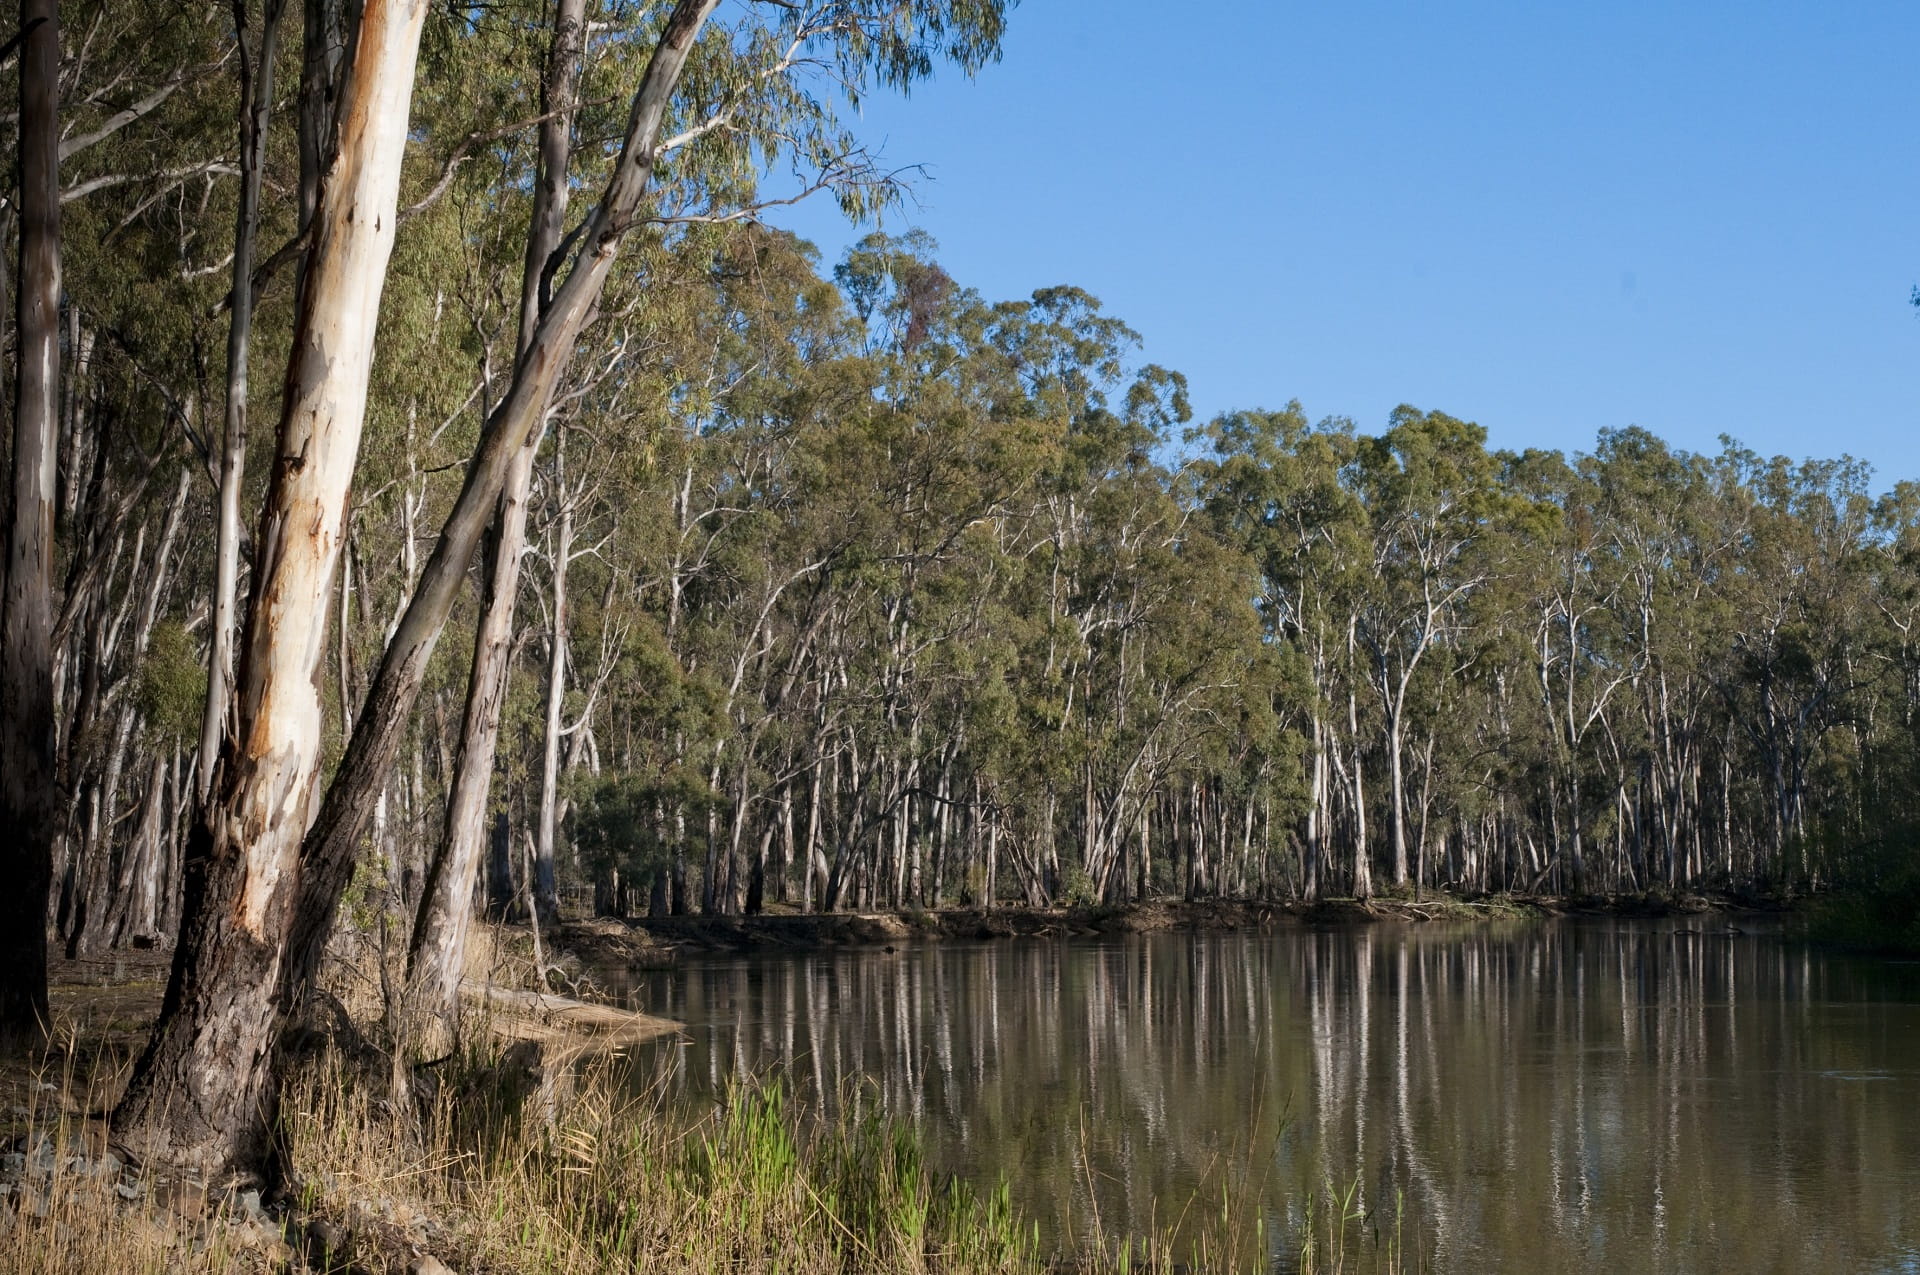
(1318, 808)
(544, 895)
(436, 955)
(203, 1095)
(328, 854)
(1362, 860)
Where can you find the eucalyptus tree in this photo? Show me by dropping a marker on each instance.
(117, 523)
(1655, 509)
(257, 919)
(1797, 628)
(1896, 544)
(26, 623)
(1875, 837)
(862, 589)
(1427, 486)
(1175, 687)
(258, 61)
(763, 111)
(1580, 661)
(1066, 372)
(439, 932)
(200, 1096)
(1274, 486)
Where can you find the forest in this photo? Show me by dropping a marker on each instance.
(437, 493)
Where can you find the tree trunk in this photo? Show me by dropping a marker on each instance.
(27, 794)
(202, 1097)
(135, 910)
(437, 952)
(500, 892)
(814, 888)
(1143, 868)
(328, 853)
(544, 896)
(990, 878)
(323, 44)
(439, 939)
(1362, 863)
(1397, 788)
(1319, 807)
(256, 107)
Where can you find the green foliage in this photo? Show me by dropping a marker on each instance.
(865, 572)
(619, 821)
(173, 683)
(1076, 889)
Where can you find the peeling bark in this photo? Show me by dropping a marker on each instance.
(327, 858)
(203, 1097)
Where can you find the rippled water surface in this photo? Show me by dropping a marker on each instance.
(1563, 1096)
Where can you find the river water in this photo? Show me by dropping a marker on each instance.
(1533, 1097)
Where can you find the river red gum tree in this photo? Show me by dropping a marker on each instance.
(202, 1097)
(259, 905)
(435, 955)
(266, 869)
(327, 860)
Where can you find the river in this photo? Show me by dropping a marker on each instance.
(1573, 1095)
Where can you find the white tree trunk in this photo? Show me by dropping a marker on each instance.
(202, 1097)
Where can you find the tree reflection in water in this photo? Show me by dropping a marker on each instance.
(1572, 1096)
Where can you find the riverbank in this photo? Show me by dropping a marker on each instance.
(1884, 920)
(491, 1174)
(512, 1158)
(525, 1152)
(644, 941)
(530, 1153)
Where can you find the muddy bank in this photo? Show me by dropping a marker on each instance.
(650, 940)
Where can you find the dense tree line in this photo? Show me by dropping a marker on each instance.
(993, 626)
(605, 541)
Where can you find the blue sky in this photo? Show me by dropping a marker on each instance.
(1700, 218)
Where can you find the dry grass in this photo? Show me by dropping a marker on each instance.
(594, 1178)
(68, 1205)
(580, 1174)
(508, 1175)
(491, 1165)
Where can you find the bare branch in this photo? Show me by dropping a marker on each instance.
(461, 154)
(69, 147)
(172, 177)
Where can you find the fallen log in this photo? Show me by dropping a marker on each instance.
(575, 1025)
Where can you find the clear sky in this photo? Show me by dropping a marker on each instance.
(1550, 218)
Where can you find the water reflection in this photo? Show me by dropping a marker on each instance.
(1560, 1097)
